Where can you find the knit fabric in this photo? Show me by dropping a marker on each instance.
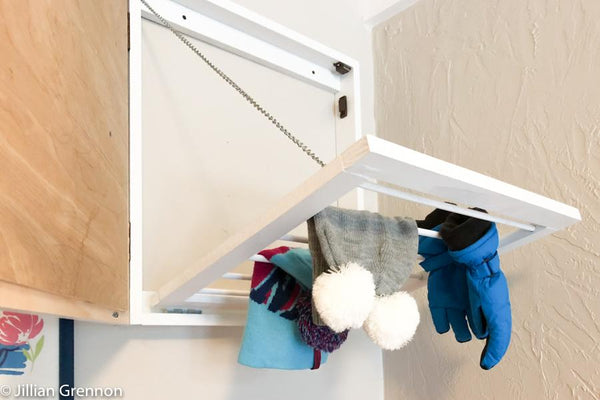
(317, 336)
(298, 262)
(271, 337)
(385, 246)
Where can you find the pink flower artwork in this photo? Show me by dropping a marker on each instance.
(17, 329)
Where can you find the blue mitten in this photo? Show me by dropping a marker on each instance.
(488, 289)
(447, 291)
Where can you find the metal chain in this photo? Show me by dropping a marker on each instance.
(241, 91)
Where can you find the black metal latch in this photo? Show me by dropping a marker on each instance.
(343, 106)
(342, 68)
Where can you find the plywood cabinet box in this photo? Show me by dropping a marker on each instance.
(100, 222)
(64, 158)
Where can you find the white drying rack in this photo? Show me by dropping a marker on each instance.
(370, 163)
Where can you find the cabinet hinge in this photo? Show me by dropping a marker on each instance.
(128, 33)
(129, 240)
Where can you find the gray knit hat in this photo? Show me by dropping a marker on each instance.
(384, 246)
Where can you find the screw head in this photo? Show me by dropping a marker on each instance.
(115, 314)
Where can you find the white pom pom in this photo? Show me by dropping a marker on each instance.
(393, 320)
(344, 296)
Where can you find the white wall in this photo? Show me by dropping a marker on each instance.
(161, 362)
(201, 363)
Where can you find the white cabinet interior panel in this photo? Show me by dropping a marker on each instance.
(211, 163)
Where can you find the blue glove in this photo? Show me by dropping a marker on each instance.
(447, 291)
(488, 294)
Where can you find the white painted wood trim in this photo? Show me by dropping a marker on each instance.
(520, 238)
(237, 277)
(409, 169)
(244, 293)
(201, 300)
(444, 206)
(231, 317)
(135, 163)
(256, 25)
(242, 32)
(367, 160)
(381, 10)
(217, 319)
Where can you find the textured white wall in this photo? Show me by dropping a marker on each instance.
(511, 89)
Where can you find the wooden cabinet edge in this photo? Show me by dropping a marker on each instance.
(19, 298)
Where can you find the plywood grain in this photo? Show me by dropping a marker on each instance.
(64, 148)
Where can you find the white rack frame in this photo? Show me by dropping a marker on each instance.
(370, 163)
